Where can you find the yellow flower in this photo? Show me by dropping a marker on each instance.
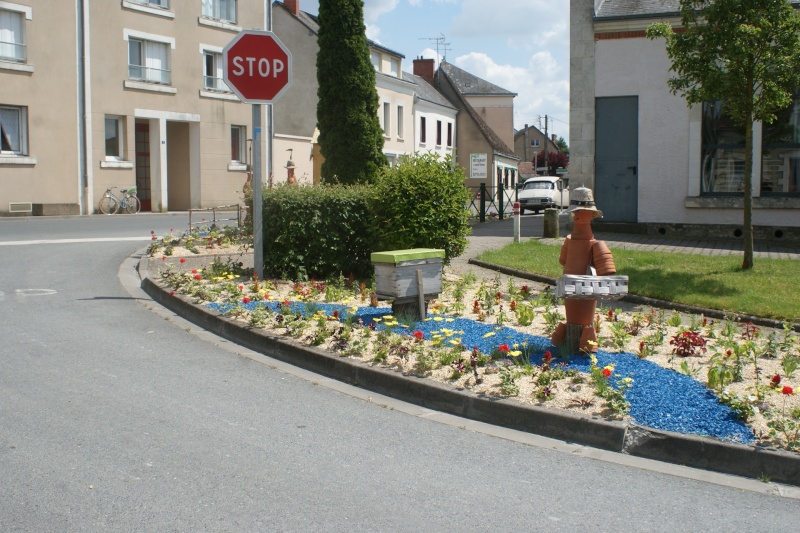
(437, 319)
(515, 353)
(487, 335)
(230, 276)
(449, 320)
(455, 342)
(377, 319)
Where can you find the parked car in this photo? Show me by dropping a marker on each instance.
(542, 192)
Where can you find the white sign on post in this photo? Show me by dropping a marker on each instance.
(478, 164)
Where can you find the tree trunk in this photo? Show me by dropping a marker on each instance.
(747, 225)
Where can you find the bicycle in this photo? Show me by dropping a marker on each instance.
(110, 203)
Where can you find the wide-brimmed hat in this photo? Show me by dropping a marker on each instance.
(582, 199)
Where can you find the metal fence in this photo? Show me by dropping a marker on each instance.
(488, 202)
(219, 216)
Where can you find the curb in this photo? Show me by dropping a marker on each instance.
(688, 450)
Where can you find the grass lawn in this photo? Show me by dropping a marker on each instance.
(771, 289)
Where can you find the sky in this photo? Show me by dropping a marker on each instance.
(519, 45)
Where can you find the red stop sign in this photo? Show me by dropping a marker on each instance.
(258, 68)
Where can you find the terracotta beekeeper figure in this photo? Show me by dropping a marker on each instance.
(579, 252)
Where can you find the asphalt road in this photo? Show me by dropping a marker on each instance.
(117, 416)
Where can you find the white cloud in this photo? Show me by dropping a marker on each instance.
(541, 86)
(375, 8)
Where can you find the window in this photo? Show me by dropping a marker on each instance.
(213, 72)
(224, 10)
(164, 4)
(375, 58)
(12, 39)
(395, 66)
(449, 134)
(438, 133)
(423, 135)
(13, 130)
(238, 143)
(399, 122)
(114, 137)
(386, 118)
(722, 153)
(148, 61)
(780, 155)
(534, 143)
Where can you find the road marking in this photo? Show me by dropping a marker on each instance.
(35, 292)
(73, 241)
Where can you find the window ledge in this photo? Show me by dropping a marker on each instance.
(204, 93)
(13, 65)
(237, 167)
(116, 164)
(736, 202)
(219, 24)
(152, 87)
(149, 10)
(17, 160)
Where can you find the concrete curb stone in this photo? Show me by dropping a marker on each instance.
(689, 450)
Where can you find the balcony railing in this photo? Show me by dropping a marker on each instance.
(149, 74)
(215, 84)
(163, 4)
(13, 52)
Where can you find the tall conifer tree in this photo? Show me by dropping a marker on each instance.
(350, 134)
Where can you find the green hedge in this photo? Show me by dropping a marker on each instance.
(317, 232)
(421, 203)
(325, 231)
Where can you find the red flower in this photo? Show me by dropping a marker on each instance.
(547, 356)
(606, 372)
(499, 295)
(194, 271)
(513, 304)
(503, 348)
(153, 238)
(728, 353)
(419, 335)
(525, 289)
(335, 314)
(787, 390)
(163, 257)
(152, 232)
(198, 276)
(245, 300)
(172, 293)
(183, 259)
(776, 380)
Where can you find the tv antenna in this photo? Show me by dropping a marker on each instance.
(440, 45)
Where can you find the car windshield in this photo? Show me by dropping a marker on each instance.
(539, 185)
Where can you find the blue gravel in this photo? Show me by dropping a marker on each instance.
(659, 398)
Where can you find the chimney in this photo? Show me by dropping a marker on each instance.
(424, 69)
(553, 137)
(293, 6)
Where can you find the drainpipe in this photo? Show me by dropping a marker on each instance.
(85, 197)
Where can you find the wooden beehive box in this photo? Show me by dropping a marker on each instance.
(396, 273)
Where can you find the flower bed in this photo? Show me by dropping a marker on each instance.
(662, 371)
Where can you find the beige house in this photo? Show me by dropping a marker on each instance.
(530, 141)
(102, 93)
(485, 128)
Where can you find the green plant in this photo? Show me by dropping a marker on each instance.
(741, 407)
(790, 364)
(508, 380)
(524, 313)
(551, 319)
(720, 370)
(619, 335)
(689, 370)
(786, 425)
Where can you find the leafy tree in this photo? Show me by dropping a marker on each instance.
(744, 53)
(350, 135)
(555, 160)
(562, 145)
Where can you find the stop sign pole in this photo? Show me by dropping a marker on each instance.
(258, 69)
